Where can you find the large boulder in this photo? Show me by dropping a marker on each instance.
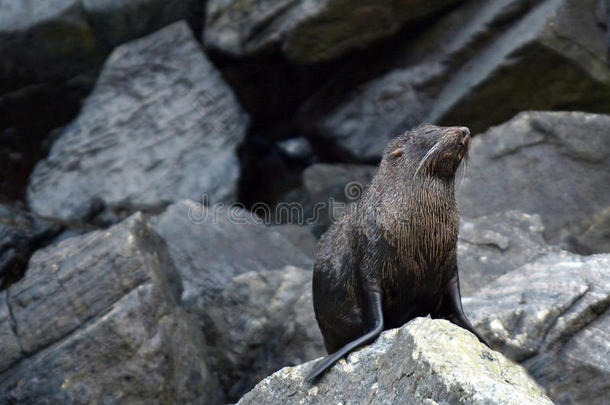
(424, 362)
(307, 31)
(513, 55)
(96, 319)
(21, 233)
(552, 316)
(161, 125)
(261, 322)
(490, 246)
(210, 245)
(554, 164)
(50, 55)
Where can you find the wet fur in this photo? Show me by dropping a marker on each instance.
(400, 242)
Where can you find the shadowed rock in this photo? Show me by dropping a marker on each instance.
(307, 31)
(480, 55)
(261, 322)
(97, 319)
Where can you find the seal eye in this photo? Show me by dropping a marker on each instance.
(396, 153)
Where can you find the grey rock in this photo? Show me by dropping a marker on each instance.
(329, 191)
(544, 163)
(424, 362)
(302, 29)
(54, 41)
(161, 125)
(479, 55)
(210, 245)
(261, 322)
(10, 350)
(551, 315)
(21, 233)
(296, 148)
(97, 320)
(491, 246)
(299, 236)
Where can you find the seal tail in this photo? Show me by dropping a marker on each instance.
(328, 361)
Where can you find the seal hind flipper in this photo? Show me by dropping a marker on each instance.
(450, 307)
(376, 316)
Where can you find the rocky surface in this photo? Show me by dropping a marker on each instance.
(552, 316)
(20, 235)
(160, 126)
(211, 245)
(554, 164)
(261, 322)
(307, 31)
(50, 55)
(97, 319)
(491, 246)
(424, 362)
(328, 192)
(58, 40)
(479, 55)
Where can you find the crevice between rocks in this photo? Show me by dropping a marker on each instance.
(13, 323)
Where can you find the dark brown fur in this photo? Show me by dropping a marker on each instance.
(398, 248)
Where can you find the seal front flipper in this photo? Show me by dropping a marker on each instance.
(376, 316)
(450, 308)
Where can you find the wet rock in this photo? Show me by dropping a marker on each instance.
(97, 319)
(424, 362)
(160, 126)
(21, 233)
(210, 245)
(494, 245)
(552, 316)
(261, 322)
(479, 55)
(544, 163)
(307, 31)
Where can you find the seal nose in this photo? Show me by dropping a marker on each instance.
(464, 130)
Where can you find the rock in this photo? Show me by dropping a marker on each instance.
(329, 191)
(307, 31)
(50, 55)
(491, 246)
(160, 126)
(299, 236)
(296, 148)
(10, 350)
(261, 322)
(424, 362)
(57, 40)
(21, 233)
(544, 163)
(210, 245)
(454, 71)
(552, 316)
(97, 320)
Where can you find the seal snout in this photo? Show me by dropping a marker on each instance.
(464, 135)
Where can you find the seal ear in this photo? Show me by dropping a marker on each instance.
(398, 152)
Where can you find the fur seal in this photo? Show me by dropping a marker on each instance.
(394, 257)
